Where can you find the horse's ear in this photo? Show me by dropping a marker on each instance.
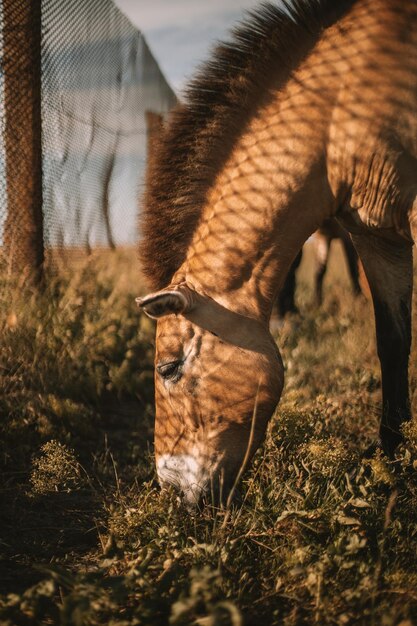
(173, 300)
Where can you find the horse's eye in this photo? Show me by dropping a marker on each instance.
(170, 371)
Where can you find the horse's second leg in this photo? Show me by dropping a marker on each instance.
(353, 264)
(389, 270)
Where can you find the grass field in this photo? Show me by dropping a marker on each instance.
(321, 536)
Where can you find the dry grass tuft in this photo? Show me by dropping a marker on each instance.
(57, 469)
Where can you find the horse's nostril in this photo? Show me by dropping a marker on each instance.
(190, 499)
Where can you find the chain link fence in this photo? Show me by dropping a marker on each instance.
(77, 87)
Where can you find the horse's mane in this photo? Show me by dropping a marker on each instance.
(220, 101)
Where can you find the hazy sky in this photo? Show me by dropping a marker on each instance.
(181, 32)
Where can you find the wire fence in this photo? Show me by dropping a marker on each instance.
(78, 85)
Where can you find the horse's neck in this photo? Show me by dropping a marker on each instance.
(271, 195)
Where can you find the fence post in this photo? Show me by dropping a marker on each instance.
(23, 231)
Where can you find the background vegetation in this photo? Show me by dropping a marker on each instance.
(322, 535)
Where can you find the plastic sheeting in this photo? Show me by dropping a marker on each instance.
(98, 79)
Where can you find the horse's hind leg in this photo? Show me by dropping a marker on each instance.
(353, 264)
(389, 270)
(322, 249)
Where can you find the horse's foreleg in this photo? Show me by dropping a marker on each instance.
(286, 297)
(389, 270)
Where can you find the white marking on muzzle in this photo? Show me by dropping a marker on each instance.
(185, 472)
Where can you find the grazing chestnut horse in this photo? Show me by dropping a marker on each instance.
(306, 114)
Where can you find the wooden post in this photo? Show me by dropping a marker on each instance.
(23, 232)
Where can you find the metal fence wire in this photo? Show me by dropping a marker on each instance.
(78, 82)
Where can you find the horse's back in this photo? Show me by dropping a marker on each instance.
(372, 150)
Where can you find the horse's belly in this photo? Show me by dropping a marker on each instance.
(387, 224)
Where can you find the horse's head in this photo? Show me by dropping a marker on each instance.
(218, 379)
